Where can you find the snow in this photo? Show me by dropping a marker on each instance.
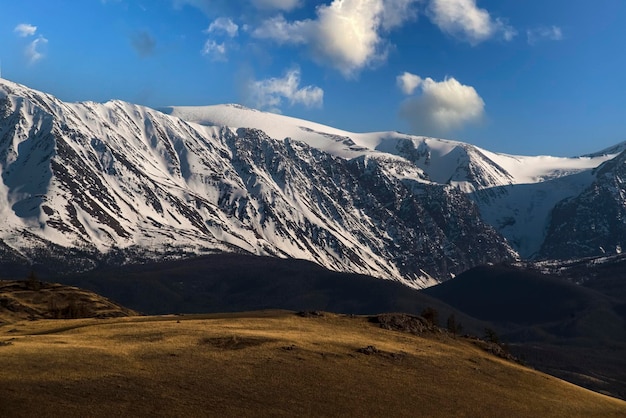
(507, 188)
(444, 155)
(171, 178)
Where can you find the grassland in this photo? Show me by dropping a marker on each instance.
(270, 363)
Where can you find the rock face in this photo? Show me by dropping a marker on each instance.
(86, 184)
(594, 222)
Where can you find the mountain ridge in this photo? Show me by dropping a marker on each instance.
(127, 183)
(119, 177)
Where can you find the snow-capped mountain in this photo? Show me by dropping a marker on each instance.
(515, 194)
(125, 181)
(592, 223)
(121, 183)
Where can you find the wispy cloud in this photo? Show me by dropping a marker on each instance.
(222, 31)
(223, 25)
(545, 33)
(440, 106)
(285, 5)
(271, 93)
(347, 35)
(463, 19)
(214, 50)
(25, 29)
(216, 7)
(33, 50)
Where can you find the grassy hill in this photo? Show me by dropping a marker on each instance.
(271, 363)
(32, 299)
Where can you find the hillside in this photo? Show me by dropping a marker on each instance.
(237, 282)
(268, 363)
(564, 329)
(32, 299)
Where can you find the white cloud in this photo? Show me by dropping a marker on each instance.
(346, 34)
(397, 12)
(551, 33)
(223, 25)
(216, 51)
(270, 93)
(281, 31)
(465, 20)
(286, 5)
(226, 28)
(442, 106)
(408, 82)
(33, 50)
(25, 29)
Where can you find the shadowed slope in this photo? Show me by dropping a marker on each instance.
(561, 328)
(236, 282)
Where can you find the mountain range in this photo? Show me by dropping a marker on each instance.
(90, 184)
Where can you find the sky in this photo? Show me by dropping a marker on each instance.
(525, 77)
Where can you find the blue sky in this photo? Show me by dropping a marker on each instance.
(522, 77)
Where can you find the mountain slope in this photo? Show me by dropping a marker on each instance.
(237, 282)
(556, 326)
(515, 194)
(123, 183)
(594, 222)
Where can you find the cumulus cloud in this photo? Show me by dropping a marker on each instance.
(346, 34)
(25, 29)
(465, 20)
(440, 106)
(551, 33)
(143, 43)
(270, 94)
(408, 82)
(223, 25)
(286, 5)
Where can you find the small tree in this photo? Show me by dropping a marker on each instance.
(431, 316)
(491, 336)
(453, 326)
(32, 282)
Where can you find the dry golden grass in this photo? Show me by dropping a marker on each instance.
(32, 299)
(266, 364)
